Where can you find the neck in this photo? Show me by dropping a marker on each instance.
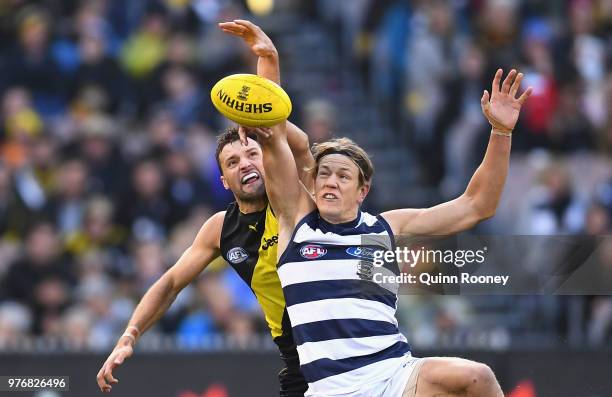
(341, 218)
(248, 206)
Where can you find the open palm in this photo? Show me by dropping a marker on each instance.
(502, 108)
(253, 36)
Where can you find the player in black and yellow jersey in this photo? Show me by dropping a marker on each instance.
(246, 235)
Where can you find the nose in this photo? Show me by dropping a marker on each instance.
(331, 181)
(245, 163)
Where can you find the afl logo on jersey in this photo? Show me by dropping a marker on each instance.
(237, 255)
(312, 251)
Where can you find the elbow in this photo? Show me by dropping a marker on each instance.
(168, 285)
(484, 215)
(304, 144)
(481, 211)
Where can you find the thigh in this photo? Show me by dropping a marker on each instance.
(448, 376)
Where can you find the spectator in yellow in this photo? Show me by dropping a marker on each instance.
(146, 48)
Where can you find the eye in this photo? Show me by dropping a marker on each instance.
(253, 154)
(231, 163)
(344, 177)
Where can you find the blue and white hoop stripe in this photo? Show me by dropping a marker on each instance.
(344, 325)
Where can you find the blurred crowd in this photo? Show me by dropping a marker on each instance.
(107, 139)
(107, 168)
(426, 63)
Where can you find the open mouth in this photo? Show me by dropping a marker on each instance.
(250, 178)
(330, 196)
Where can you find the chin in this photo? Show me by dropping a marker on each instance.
(328, 210)
(253, 192)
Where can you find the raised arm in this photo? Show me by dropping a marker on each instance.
(259, 43)
(288, 198)
(481, 198)
(268, 66)
(160, 296)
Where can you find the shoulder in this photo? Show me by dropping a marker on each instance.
(210, 232)
(219, 217)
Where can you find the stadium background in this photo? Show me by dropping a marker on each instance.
(107, 171)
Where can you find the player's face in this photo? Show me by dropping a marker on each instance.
(243, 170)
(337, 191)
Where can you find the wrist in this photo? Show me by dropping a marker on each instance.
(501, 131)
(130, 336)
(125, 340)
(270, 54)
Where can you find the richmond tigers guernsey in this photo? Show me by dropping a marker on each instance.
(249, 244)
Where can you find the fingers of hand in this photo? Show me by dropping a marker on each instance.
(485, 98)
(525, 95)
(232, 28)
(247, 24)
(496, 80)
(516, 85)
(242, 133)
(108, 375)
(100, 378)
(262, 131)
(485, 104)
(108, 372)
(508, 82)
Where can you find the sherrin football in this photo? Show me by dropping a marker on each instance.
(251, 100)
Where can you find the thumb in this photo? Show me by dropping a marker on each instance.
(120, 358)
(242, 133)
(485, 98)
(485, 104)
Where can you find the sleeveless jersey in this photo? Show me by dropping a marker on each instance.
(249, 244)
(343, 322)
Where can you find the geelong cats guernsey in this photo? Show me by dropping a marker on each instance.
(343, 322)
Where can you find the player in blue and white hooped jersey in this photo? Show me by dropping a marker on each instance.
(344, 323)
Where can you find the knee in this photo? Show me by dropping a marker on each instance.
(479, 375)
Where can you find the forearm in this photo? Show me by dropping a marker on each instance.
(487, 183)
(268, 67)
(153, 304)
(297, 140)
(282, 182)
(300, 148)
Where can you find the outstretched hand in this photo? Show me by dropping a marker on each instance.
(502, 108)
(261, 132)
(105, 376)
(256, 39)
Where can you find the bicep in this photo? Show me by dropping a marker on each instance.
(196, 257)
(447, 218)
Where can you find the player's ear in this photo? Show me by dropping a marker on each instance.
(363, 192)
(224, 182)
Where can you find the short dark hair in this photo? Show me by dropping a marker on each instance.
(230, 135)
(346, 147)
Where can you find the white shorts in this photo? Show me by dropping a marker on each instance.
(404, 376)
